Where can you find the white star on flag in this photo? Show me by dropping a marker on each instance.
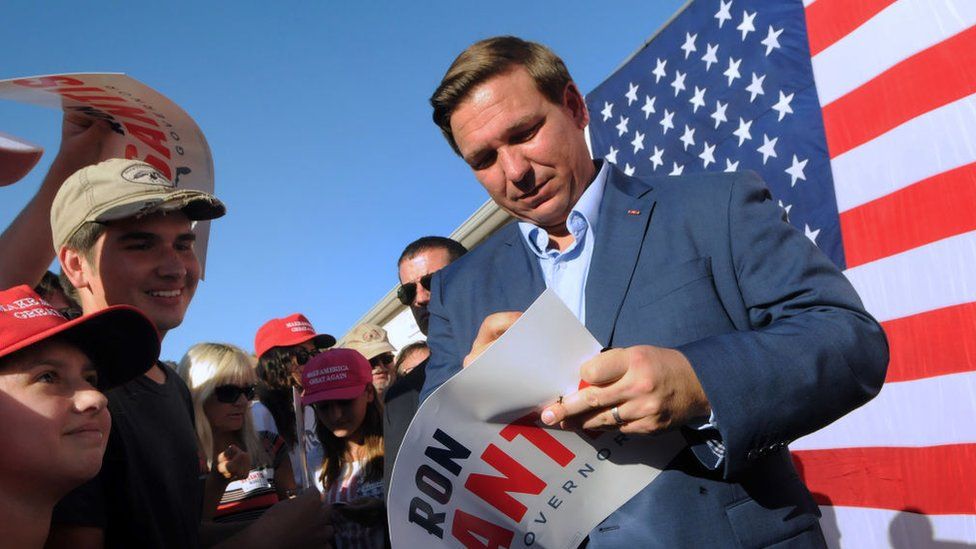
(688, 138)
(812, 235)
(743, 132)
(628, 169)
(657, 158)
(648, 107)
(711, 56)
(677, 169)
(796, 170)
(755, 88)
(772, 40)
(723, 13)
(707, 155)
(768, 148)
(679, 82)
(612, 155)
(733, 71)
(658, 71)
(746, 25)
(622, 126)
(731, 166)
(638, 141)
(719, 114)
(667, 121)
(631, 94)
(607, 111)
(698, 100)
(783, 105)
(689, 45)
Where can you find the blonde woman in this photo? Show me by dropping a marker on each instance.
(222, 379)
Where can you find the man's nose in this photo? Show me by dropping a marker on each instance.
(423, 296)
(172, 264)
(516, 167)
(90, 401)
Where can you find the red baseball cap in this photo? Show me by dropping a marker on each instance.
(288, 331)
(336, 374)
(120, 340)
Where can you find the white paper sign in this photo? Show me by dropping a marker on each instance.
(478, 469)
(145, 124)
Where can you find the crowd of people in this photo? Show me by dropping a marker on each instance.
(292, 443)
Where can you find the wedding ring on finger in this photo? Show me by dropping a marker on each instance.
(616, 416)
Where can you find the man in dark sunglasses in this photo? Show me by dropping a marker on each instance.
(417, 264)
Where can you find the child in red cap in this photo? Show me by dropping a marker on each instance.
(338, 384)
(55, 417)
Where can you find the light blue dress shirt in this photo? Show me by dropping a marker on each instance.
(566, 272)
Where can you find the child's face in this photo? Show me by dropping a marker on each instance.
(344, 417)
(49, 405)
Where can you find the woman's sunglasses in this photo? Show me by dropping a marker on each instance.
(303, 355)
(406, 293)
(228, 394)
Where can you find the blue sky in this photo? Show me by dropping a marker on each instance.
(318, 120)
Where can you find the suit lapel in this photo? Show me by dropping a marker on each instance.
(520, 270)
(624, 214)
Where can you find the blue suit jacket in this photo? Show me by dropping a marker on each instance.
(775, 333)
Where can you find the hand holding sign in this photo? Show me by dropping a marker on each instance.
(640, 389)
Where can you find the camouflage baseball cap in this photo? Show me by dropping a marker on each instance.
(119, 189)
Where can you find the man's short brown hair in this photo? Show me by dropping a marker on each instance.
(491, 57)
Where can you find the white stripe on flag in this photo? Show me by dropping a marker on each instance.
(927, 145)
(893, 35)
(866, 528)
(933, 276)
(923, 412)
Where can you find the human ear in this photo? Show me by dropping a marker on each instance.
(573, 100)
(75, 267)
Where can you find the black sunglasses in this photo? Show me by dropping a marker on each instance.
(406, 293)
(303, 355)
(384, 359)
(228, 394)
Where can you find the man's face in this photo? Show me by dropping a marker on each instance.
(383, 371)
(527, 152)
(49, 403)
(148, 263)
(412, 270)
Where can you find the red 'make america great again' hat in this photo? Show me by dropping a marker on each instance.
(119, 340)
(288, 331)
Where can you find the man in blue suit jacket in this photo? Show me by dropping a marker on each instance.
(724, 321)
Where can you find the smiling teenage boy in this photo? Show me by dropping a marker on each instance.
(122, 233)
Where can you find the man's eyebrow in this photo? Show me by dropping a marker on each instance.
(187, 237)
(137, 235)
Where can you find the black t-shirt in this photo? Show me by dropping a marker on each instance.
(400, 405)
(149, 492)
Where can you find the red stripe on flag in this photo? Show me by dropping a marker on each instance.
(925, 81)
(934, 480)
(932, 343)
(830, 20)
(926, 211)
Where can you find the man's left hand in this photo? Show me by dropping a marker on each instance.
(652, 389)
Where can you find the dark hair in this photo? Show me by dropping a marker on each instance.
(274, 391)
(407, 351)
(454, 248)
(489, 58)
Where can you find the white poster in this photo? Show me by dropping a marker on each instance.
(477, 468)
(145, 125)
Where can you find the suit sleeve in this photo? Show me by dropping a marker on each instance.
(812, 353)
(445, 360)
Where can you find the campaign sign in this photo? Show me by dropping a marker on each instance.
(145, 125)
(477, 467)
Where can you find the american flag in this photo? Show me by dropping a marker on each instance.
(861, 117)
